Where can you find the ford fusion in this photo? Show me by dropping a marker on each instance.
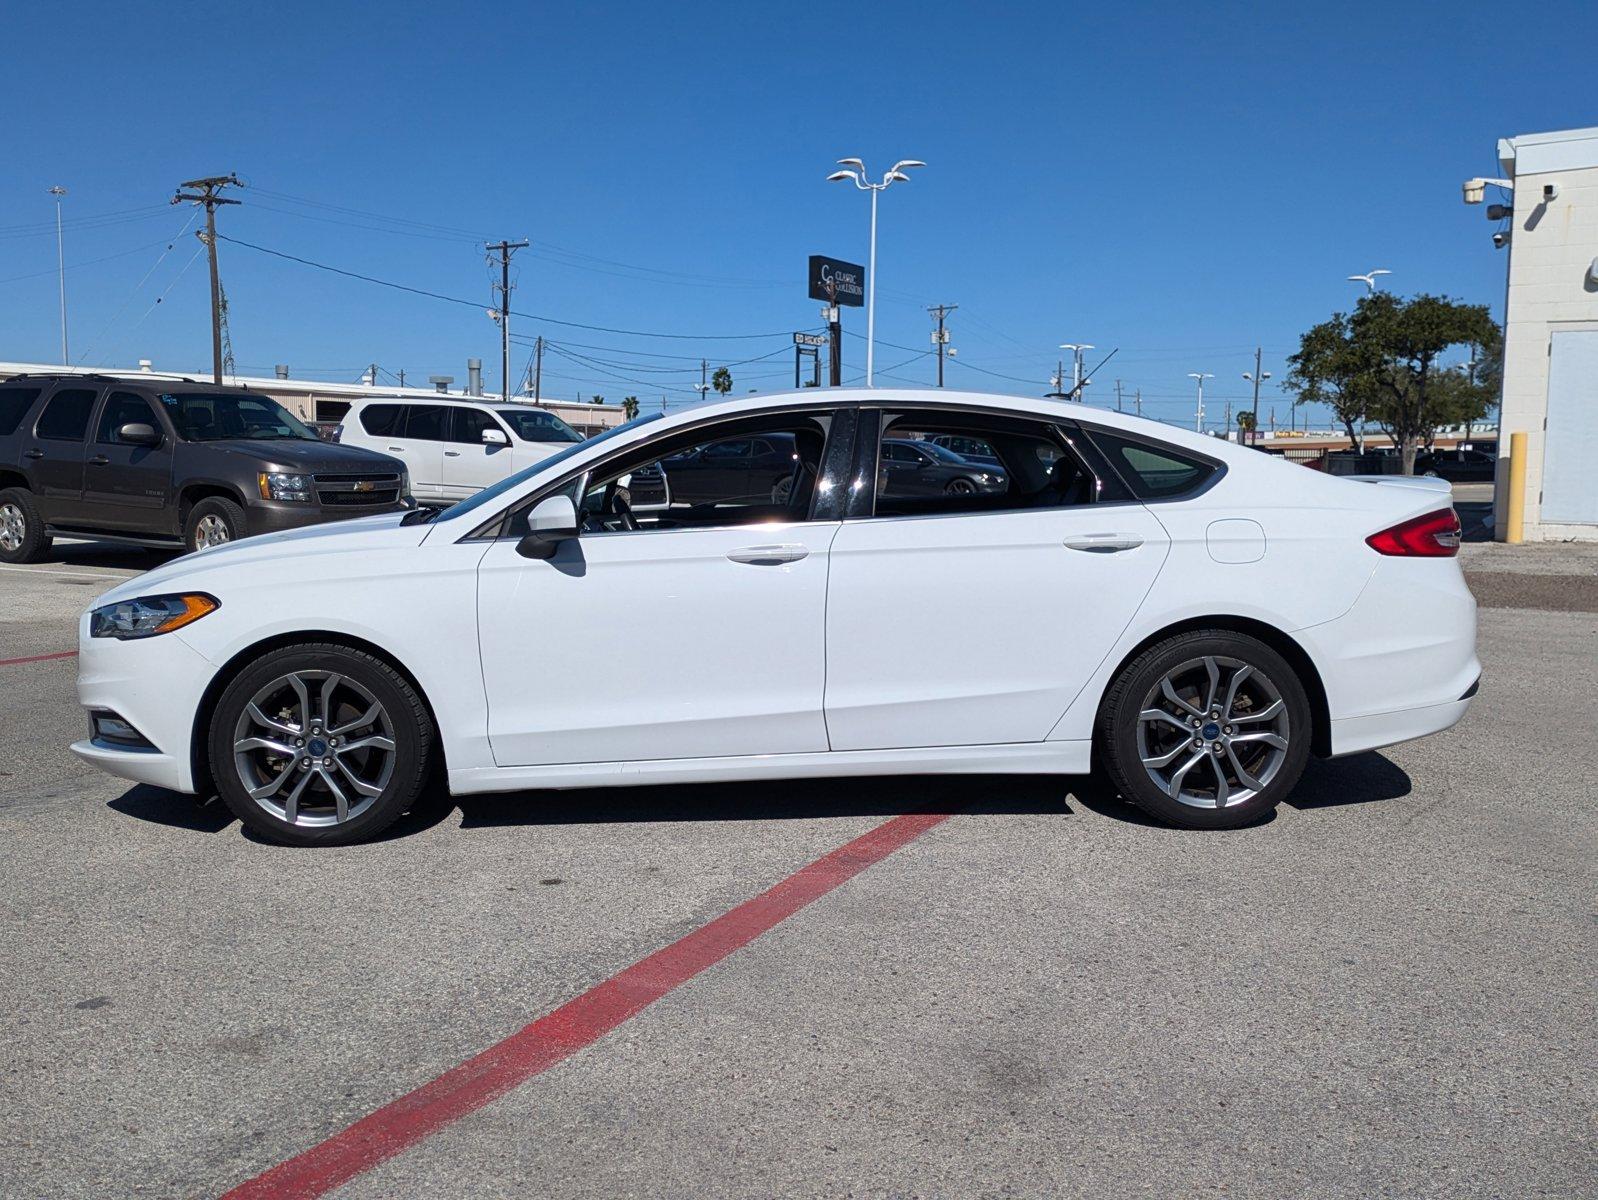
(1192, 617)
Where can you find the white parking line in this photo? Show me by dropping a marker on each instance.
(68, 574)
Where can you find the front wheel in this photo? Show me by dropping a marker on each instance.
(319, 744)
(213, 522)
(1207, 730)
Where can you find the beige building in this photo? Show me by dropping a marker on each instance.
(1551, 329)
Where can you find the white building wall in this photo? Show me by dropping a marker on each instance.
(1551, 249)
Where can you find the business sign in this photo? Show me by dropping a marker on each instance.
(810, 339)
(837, 282)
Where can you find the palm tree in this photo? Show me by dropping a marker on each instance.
(629, 407)
(721, 381)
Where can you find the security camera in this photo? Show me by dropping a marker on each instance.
(1499, 212)
(1550, 192)
(1500, 239)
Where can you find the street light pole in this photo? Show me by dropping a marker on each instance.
(61, 272)
(1077, 350)
(1201, 376)
(1256, 377)
(857, 173)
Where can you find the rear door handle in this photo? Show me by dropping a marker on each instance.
(452, 454)
(99, 460)
(33, 454)
(768, 556)
(1104, 543)
(397, 449)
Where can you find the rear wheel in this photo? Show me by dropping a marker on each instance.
(1208, 730)
(22, 535)
(320, 744)
(213, 522)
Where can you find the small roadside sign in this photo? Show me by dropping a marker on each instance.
(809, 339)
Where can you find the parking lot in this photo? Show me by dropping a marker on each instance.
(1024, 988)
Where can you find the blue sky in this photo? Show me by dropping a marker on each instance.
(1180, 181)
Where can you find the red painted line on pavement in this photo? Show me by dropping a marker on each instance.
(14, 662)
(574, 1025)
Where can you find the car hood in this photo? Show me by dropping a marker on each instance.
(297, 454)
(208, 570)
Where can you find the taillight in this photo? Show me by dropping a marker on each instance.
(1435, 535)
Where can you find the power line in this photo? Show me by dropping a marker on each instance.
(685, 337)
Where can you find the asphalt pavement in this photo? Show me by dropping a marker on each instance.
(1386, 990)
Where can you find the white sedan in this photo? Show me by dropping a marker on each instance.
(1192, 617)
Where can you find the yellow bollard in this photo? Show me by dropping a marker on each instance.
(1515, 534)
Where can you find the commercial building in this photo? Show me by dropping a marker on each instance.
(1550, 231)
(318, 400)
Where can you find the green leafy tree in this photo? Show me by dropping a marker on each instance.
(1245, 425)
(629, 407)
(1400, 341)
(1458, 399)
(1331, 369)
(721, 381)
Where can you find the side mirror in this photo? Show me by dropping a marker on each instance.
(495, 437)
(552, 521)
(138, 433)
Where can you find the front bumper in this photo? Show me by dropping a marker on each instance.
(155, 684)
(274, 516)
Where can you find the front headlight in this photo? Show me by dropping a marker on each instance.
(279, 486)
(146, 616)
(405, 485)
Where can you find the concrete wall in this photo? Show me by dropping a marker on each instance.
(1551, 248)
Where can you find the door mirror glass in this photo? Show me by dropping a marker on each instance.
(495, 437)
(138, 433)
(552, 521)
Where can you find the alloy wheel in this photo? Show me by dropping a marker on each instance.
(314, 748)
(211, 530)
(13, 527)
(1213, 732)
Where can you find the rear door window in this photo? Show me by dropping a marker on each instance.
(123, 408)
(425, 422)
(66, 417)
(14, 405)
(383, 420)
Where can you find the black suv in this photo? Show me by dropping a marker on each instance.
(167, 463)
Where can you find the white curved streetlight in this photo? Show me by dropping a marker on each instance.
(1077, 382)
(1369, 279)
(857, 172)
(1201, 376)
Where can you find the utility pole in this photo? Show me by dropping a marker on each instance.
(940, 338)
(1138, 400)
(1257, 377)
(402, 376)
(538, 369)
(210, 195)
(1117, 395)
(1228, 430)
(61, 271)
(506, 249)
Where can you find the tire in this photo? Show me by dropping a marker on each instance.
(1248, 754)
(960, 487)
(295, 804)
(22, 535)
(213, 522)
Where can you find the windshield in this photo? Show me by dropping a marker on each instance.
(534, 425)
(490, 494)
(941, 452)
(213, 416)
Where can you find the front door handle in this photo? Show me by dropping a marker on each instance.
(1104, 543)
(452, 454)
(396, 449)
(99, 460)
(33, 454)
(768, 556)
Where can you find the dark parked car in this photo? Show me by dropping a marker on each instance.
(1458, 466)
(163, 463)
(923, 468)
(741, 470)
(972, 449)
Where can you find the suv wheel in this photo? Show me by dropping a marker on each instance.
(1207, 730)
(319, 744)
(22, 535)
(213, 522)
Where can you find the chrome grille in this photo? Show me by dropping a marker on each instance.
(358, 489)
